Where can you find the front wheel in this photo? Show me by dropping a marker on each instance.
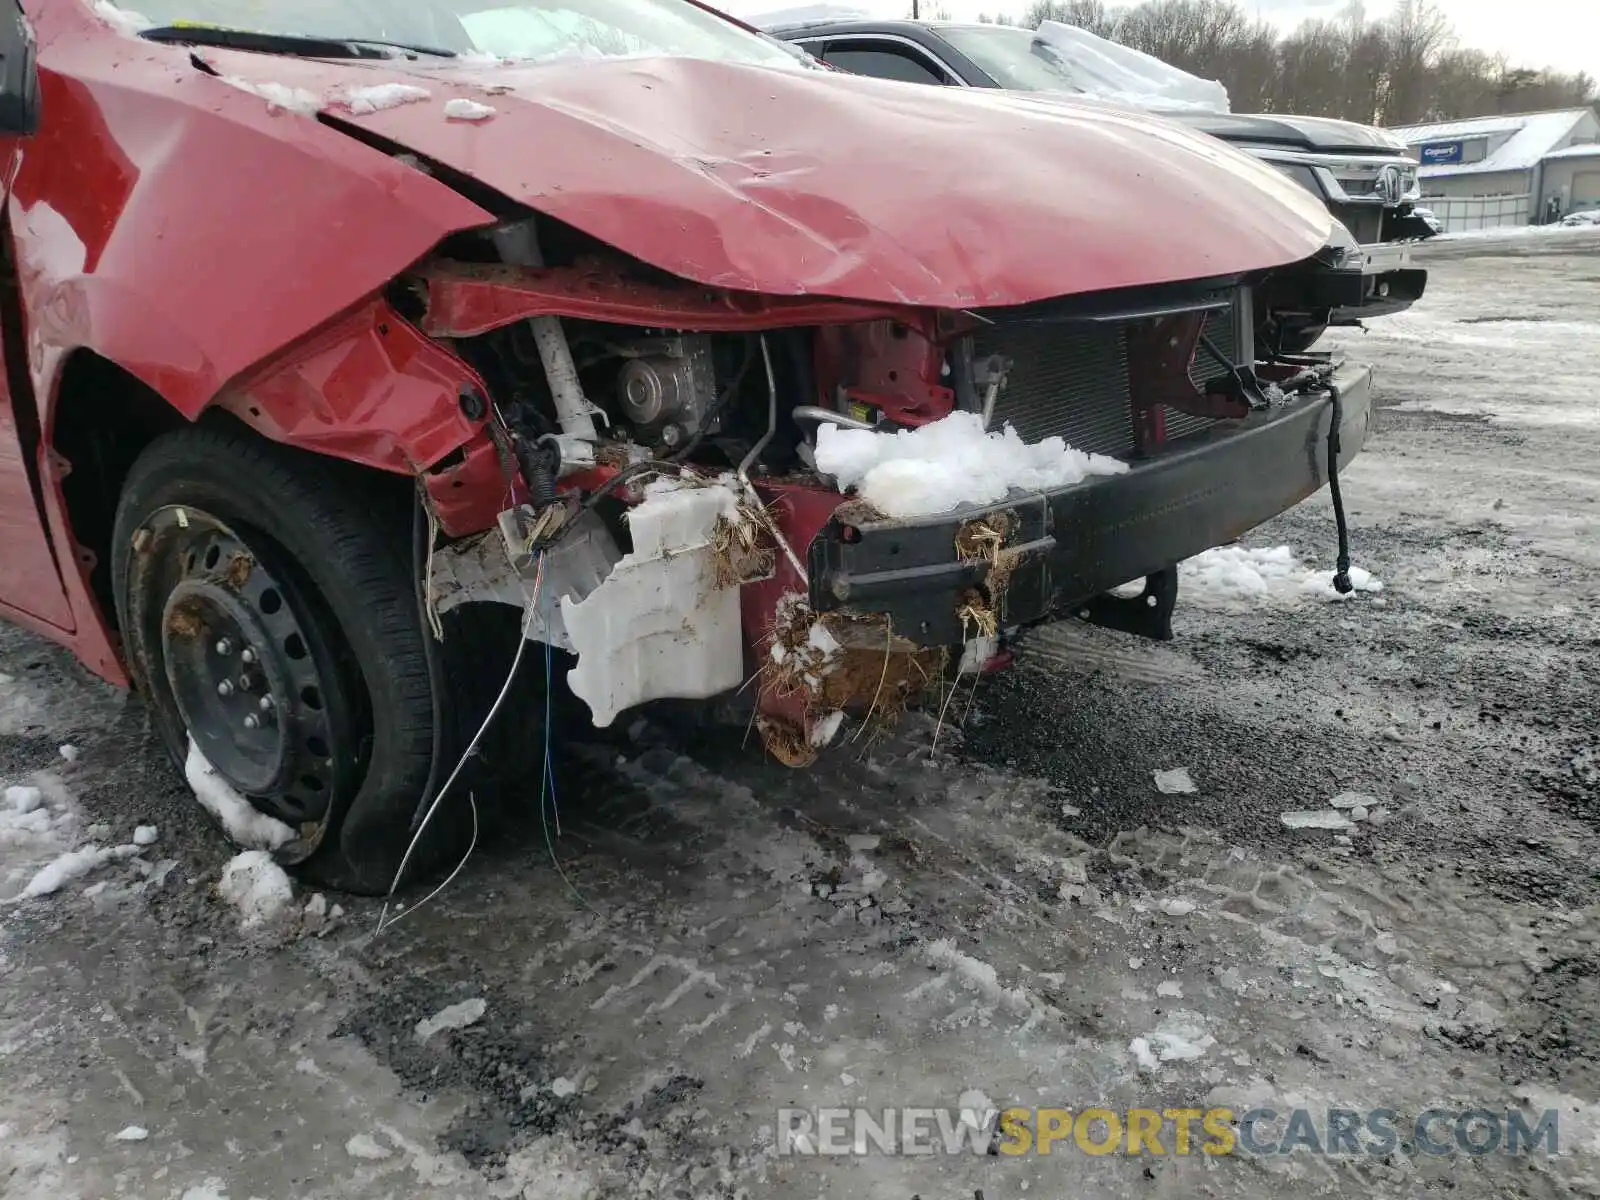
(269, 617)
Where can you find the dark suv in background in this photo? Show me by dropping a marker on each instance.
(1360, 172)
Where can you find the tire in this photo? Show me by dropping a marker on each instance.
(333, 541)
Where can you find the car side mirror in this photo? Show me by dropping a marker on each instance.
(19, 73)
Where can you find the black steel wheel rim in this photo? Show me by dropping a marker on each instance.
(248, 661)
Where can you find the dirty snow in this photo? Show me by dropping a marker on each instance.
(1241, 577)
(948, 463)
(145, 835)
(70, 752)
(1353, 800)
(133, 1133)
(280, 97)
(1175, 782)
(123, 20)
(377, 97)
(467, 110)
(240, 819)
(73, 865)
(257, 887)
(367, 1148)
(1324, 818)
(826, 728)
(211, 1188)
(454, 1016)
(23, 800)
(1180, 1037)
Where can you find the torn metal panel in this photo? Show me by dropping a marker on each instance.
(481, 570)
(665, 623)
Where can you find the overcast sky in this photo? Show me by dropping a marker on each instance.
(1538, 33)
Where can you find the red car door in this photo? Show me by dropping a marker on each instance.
(29, 578)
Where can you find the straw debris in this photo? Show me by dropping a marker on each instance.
(841, 661)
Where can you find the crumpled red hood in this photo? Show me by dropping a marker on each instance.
(810, 182)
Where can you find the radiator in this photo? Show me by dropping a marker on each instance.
(1071, 381)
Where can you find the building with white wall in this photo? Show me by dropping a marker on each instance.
(1507, 170)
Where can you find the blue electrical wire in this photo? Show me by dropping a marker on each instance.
(547, 783)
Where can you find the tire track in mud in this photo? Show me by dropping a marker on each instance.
(790, 912)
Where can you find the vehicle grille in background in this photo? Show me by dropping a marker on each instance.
(1364, 221)
(1071, 381)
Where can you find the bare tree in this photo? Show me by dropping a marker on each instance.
(1085, 14)
(1417, 33)
(1399, 70)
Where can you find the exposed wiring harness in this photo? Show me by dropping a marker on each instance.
(528, 614)
(1341, 574)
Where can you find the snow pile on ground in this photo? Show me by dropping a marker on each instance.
(23, 816)
(240, 819)
(948, 463)
(280, 97)
(975, 975)
(1321, 818)
(376, 98)
(1345, 811)
(1180, 1037)
(467, 110)
(1244, 577)
(258, 887)
(36, 822)
(1510, 231)
(72, 865)
(454, 1016)
(367, 1148)
(1176, 782)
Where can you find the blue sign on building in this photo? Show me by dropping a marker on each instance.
(1439, 153)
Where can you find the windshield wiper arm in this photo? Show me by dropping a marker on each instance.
(285, 43)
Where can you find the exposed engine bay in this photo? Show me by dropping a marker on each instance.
(676, 506)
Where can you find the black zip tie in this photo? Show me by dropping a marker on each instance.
(1341, 574)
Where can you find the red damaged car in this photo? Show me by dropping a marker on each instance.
(352, 346)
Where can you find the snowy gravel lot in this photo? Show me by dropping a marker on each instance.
(1025, 915)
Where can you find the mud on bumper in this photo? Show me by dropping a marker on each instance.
(1066, 546)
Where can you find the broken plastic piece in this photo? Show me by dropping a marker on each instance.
(661, 624)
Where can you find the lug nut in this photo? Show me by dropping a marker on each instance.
(266, 704)
(225, 688)
(248, 656)
(224, 647)
(245, 683)
(251, 721)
